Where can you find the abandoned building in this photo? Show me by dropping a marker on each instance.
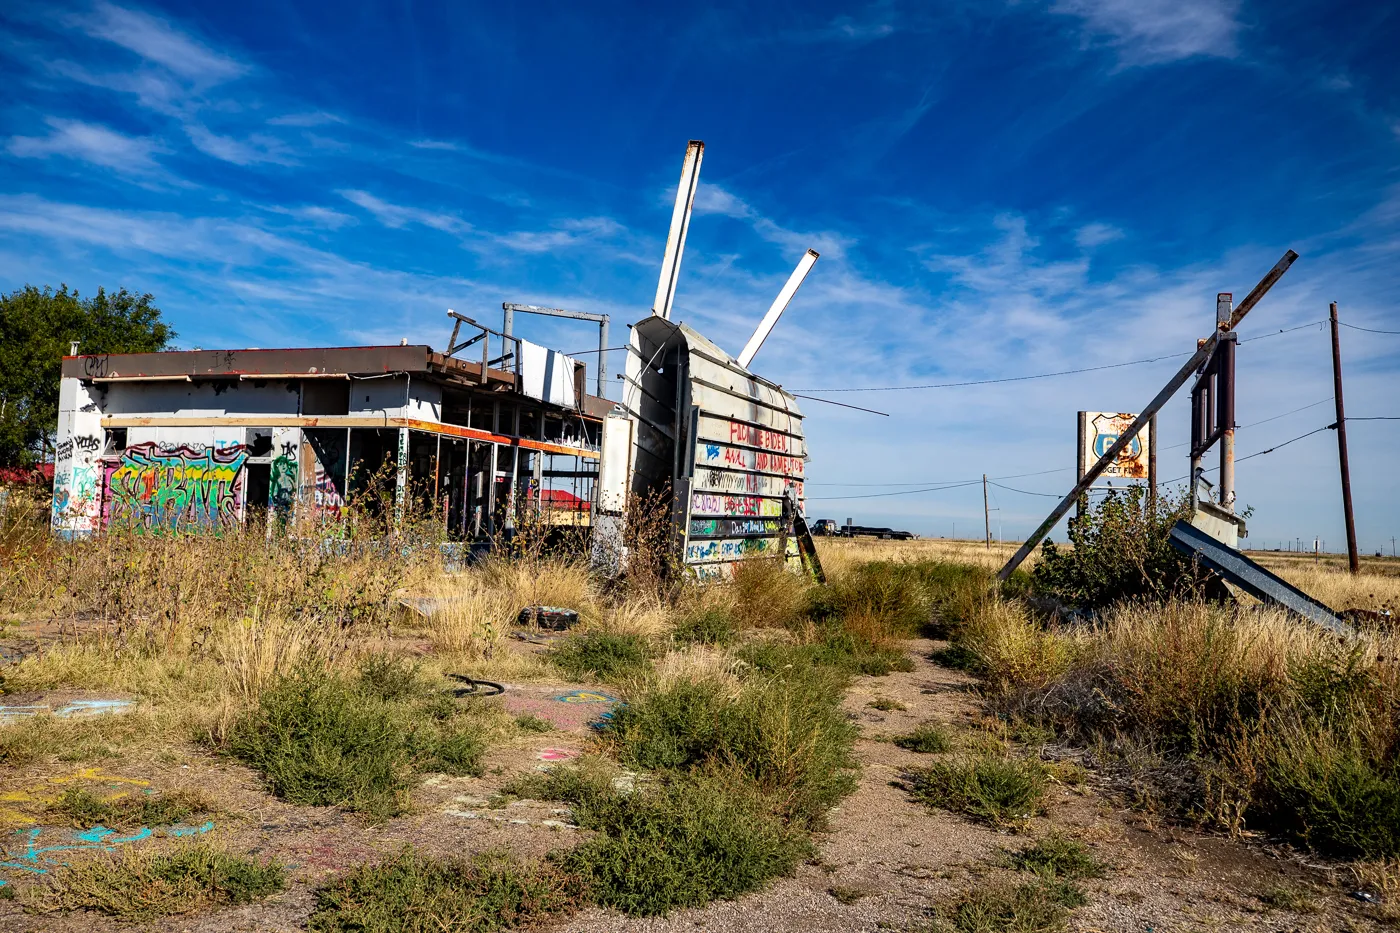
(482, 444)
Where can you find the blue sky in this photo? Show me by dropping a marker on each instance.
(996, 189)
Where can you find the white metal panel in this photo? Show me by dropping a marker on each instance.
(723, 506)
(789, 289)
(615, 462)
(743, 434)
(752, 484)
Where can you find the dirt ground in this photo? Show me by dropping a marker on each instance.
(886, 862)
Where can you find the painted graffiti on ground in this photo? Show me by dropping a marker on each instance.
(585, 696)
(15, 804)
(170, 487)
(558, 754)
(72, 709)
(40, 850)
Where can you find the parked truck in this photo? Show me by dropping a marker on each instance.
(827, 527)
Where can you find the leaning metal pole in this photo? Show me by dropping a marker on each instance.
(1202, 354)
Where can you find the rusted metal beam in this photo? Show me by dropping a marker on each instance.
(1203, 353)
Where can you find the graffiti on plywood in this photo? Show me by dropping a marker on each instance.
(170, 487)
(282, 483)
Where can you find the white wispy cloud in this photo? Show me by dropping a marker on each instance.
(1096, 234)
(398, 216)
(256, 148)
(308, 119)
(157, 40)
(314, 214)
(574, 232)
(1153, 32)
(716, 199)
(89, 142)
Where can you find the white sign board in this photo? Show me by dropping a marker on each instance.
(1100, 430)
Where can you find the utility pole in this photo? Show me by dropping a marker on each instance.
(986, 512)
(1352, 557)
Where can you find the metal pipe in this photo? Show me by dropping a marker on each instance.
(680, 225)
(1151, 466)
(986, 512)
(775, 311)
(1202, 354)
(1352, 558)
(1225, 403)
(603, 357)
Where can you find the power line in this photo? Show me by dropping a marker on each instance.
(1064, 372)
(1255, 424)
(1369, 330)
(1325, 427)
(1377, 418)
(906, 492)
(953, 481)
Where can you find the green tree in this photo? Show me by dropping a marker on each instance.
(37, 327)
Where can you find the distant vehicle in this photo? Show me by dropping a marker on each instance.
(827, 527)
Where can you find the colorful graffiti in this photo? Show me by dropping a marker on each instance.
(744, 458)
(38, 859)
(75, 708)
(704, 503)
(733, 527)
(729, 549)
(762, 484)
(170, 487)
(16, 806)
(282, 482)
(760, 437)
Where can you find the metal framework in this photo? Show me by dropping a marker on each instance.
(509, 310)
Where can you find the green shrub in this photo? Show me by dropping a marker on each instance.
(79, 807)
(959, 658)
(608, 656)
(322, 739)
(1328, 789)
(415, 893)
(1035, 907)
(928, 739)
(143, 885)
(835, 648)
(532, 723)
(1120, 552)
(994, 789)
(709, 627)
(886, 705)
(389, 678)
(786, 731)
(1058, 856)
(892, 592)
(680, 841)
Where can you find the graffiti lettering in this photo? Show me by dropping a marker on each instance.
(176, 486)
(95, 366)
(753, 483)
(87, 443)
(744, 458)
(759, 437)
(729, 549)
(733, 527)
(735, 506)
(63, 451)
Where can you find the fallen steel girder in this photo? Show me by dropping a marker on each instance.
(1252, 578)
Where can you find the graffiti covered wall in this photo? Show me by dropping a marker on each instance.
(160, 486)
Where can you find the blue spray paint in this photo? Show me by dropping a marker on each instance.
(37, 859)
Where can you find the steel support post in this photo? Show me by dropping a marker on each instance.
(401, 478)
(1225, 405)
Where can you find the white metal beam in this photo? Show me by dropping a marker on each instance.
(804, 265)
(680, 224)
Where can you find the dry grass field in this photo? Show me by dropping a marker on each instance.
(211, 732)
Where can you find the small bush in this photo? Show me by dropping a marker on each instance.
(1327, 789)
(1058, 856)
(414, 893)
(143, 885)
(608, 656)
(787, 732)
(928, 739)
(680, 842)
(994, 789)
(81, 808)
(886, 705)
(1036, 907)
(768, 595)
(832, 647)
(322, 739)
(709, 627)
(1120, 552)
(959, 658)
(532, 723)
(389, 678)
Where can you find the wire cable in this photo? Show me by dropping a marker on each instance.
(1064, 372)
(905, 492)
(1370, 330)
